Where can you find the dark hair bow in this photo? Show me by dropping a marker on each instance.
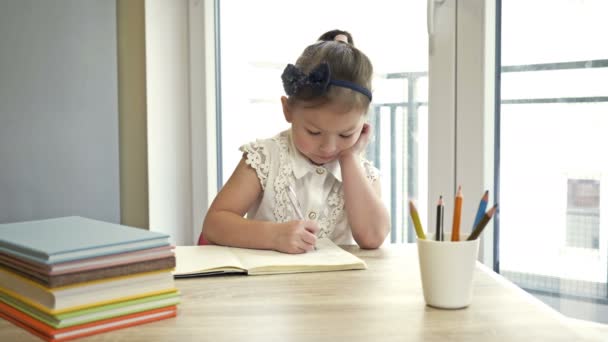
(314, 84)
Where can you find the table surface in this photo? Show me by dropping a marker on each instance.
(382, 303)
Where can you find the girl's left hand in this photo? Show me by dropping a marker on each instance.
(361, 143)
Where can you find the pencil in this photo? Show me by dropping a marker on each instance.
(483, 203)
(296, 206)
(456, 217)
(294, 201)
(439, 224)
(416, 221)
(482, 224)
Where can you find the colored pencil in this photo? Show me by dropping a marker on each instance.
(296, 206)
(482, 224)
(416, 221)
(483, 203)
(294, 202)
(439, 224)
(457, 214)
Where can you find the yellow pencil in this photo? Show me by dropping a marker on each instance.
(416, 220)
(457, 213)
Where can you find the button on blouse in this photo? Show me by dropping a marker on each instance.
(319, 192)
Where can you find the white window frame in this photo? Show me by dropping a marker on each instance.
(442, 103)
(475, 115)
(461, 117)
(461, 102)
(203, 104)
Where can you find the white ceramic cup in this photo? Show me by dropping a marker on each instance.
(446, 271)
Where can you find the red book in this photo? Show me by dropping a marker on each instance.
(51, 334)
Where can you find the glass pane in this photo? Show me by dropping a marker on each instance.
(256, 44)
(553, 164)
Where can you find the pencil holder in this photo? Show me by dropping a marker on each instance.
(446, 271)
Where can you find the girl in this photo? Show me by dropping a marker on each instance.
(310, 181)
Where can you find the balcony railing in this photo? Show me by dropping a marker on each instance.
(553, 286)
(410, 108)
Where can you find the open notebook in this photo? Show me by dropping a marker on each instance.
(192, 261)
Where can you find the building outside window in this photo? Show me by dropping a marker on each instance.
(553, 167)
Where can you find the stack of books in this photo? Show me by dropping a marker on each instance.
(71, 277)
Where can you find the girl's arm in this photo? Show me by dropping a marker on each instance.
(225, 224)
(367, 215)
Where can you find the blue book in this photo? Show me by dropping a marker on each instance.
(73, 238)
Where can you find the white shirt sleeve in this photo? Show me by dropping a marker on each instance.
(258, 158)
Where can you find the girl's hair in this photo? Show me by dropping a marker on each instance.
(346, 63)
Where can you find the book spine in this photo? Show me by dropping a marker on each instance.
(23, 251)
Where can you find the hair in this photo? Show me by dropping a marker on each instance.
(346, 63)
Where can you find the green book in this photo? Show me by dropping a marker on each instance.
(76, 317)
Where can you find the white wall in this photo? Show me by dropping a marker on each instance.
(442, 113)
(475, 112)
(168, 89)
(461, 139)
(202, 109)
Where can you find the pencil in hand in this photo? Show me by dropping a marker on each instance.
(296, 206)
(457, 214)
(482, 223)
(439, 224)
(416, 221)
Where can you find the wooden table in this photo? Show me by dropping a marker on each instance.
(382, 303)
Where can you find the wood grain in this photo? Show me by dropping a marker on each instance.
(382, 303)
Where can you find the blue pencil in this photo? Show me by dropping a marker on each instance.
(482, 208)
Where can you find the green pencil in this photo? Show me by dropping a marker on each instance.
(416, 220)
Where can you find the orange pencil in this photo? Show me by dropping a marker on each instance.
(457, 213)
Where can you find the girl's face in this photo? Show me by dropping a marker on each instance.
(322, 133)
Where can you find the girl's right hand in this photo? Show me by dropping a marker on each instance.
(296, 237)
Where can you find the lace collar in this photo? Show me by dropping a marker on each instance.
(302, 166)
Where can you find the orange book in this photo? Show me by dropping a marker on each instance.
(51, 334)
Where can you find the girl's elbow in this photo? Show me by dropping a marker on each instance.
(208, 228)
(374, 240)
(204, 237)
(370, 245)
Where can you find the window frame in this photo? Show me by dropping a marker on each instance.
(449, 118)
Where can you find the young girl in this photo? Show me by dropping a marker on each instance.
(310, 181)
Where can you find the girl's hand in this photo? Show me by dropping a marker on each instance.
(296, 237)
(361, 143)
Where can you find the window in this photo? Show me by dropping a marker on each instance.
(257, 40)
(553, 167)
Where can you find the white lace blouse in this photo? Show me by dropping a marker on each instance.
(279, 165)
